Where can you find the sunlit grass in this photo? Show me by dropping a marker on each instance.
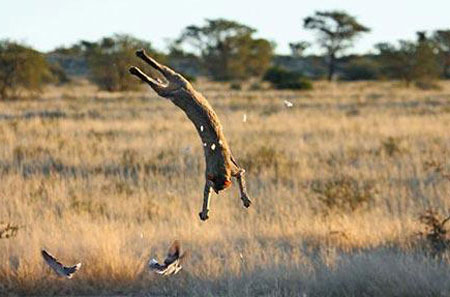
(110, 179)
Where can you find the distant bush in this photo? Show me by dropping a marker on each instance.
(256, 86)
(58, 75)
(21, 67)
(427, 85)
(110, 58)
(236, 86)
(391, 146)
(361, 69)
(284, 79)
(343, 193)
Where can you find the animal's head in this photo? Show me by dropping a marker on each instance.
(174, 81)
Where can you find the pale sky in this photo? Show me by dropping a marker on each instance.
(47, 24)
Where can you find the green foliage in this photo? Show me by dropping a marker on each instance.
(410, 61)
(298, 48)
(284, 79)
(426, 67)
(21, 67)
(110, 58)
(361, 68)
(228, 50)
(58, 75)
(441, 39)
(336, 32)
(397, 62)
(237, 86)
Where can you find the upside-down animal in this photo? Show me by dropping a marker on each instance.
(220, 163)
(172, 263)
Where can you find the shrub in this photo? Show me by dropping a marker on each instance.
(236, 86)
(268, 158)
(391, 146)
(110, 58)
(8, 230)
(21, 67)
(361, 69)
(343, 193)
(58, 75)
(284, 79)
(435, 233)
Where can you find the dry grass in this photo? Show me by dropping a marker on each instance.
(339, 181)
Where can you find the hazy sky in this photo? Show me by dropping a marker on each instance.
(49, 23)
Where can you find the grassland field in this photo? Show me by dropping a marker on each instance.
(338, 180)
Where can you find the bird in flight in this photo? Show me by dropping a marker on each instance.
(288, 104)
(60, 269)
(172, 263)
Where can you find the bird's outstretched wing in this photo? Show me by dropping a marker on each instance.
(51, 261)
(58, 267)
(173, 254)
(172, 263)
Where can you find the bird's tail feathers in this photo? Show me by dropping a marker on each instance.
(72, 269)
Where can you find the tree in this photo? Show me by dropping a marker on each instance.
(227, 49)
(441, 38)
(336, 32)
(109, 59)
(397, 62)
(21, 67)
(298, 48)
(410, 61)
(426, 67)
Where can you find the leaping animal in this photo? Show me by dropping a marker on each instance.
(220, 163)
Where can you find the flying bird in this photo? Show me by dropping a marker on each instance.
(172, 263)
(60, 269)
(288, 104)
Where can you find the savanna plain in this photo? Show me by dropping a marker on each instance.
(341, 182)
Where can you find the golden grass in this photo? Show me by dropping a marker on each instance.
(110, 179)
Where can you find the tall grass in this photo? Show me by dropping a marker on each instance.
(338, 181)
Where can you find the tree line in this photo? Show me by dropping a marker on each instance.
(225, 50)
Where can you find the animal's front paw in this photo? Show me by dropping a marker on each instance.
(203, 216)
(246, 201)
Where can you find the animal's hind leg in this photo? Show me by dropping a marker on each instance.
(242, 189)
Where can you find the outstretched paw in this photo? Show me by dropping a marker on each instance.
(246, 201)
(203, 216)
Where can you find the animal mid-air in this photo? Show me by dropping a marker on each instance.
(220, 163)
(60, 269)
(172, 263)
